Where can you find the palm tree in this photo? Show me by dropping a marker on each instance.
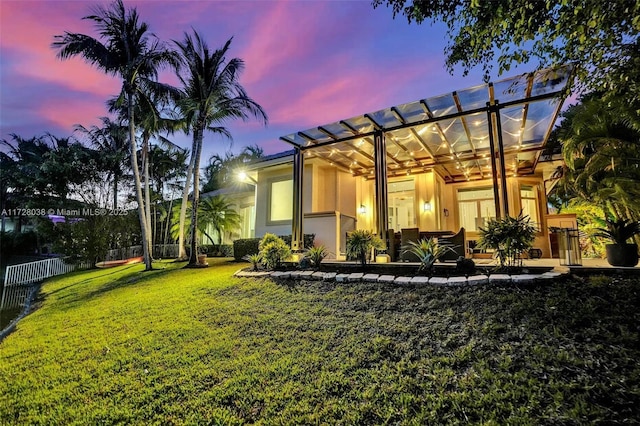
(211, 95)
(125, 50)
(602, 152)
(220, 214)
(111, 141)
(216, 212)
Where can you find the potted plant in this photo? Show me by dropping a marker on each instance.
(619, 231)
(360, 243)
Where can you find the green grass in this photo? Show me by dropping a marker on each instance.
(198, 346)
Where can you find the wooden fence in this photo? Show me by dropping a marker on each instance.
(19, 278)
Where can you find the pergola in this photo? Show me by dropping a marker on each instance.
(488, 131)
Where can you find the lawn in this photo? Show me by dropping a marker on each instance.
(198, 346)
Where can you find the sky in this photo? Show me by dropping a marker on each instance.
(307, 63)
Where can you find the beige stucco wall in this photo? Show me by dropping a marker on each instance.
(330, 190)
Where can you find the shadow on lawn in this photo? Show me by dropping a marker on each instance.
(134, 277)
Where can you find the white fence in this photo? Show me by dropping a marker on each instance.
(17, 278)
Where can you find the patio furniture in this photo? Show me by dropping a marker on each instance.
(457, 245)
(392, 246)
(406, 236)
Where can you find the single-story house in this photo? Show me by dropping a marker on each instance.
(436, 164)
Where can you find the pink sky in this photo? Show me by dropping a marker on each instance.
(308, 63)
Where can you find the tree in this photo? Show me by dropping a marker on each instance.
(599, 37)
(126, 51)
(222, 172)
(601, 150)
(219, 213)
(211, 95)
(112, 141)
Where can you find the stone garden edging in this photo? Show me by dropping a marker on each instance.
(458, 281)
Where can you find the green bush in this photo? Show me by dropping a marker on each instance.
(427, 251)
(360, 243)
(509, 237)
(273, 251)
(245, 247)
(316, 255)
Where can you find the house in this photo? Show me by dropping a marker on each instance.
(438, 164)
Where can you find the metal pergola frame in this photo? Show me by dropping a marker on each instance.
(438, 135)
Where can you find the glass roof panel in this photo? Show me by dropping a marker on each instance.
(441, 105)
(443, 144)
(474, 97)
(317, 135)
(548, 81)
(385, 118)
(360, 123)
(510, 89)
(412, 112)
(338, 130)
(538, 121)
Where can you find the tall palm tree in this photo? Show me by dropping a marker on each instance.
(124, 49)
(211, 95)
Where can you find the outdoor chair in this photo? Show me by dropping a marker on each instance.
(406, 236)
(456, 243)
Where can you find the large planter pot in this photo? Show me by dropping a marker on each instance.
(622, 254)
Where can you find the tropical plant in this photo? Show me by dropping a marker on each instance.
(273, 251)
(222, 172)
(316, 255)
(510, 237)
(619, 231)
(125, 49)
(218, 212)
(427, 251)
(601, 150)
(255, 260)
(211, 94)
(360, 243)
(111, 140)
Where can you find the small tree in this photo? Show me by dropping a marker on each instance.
(509, 237)
(273, 251)
(360, 243)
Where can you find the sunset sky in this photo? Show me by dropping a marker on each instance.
(308, 63)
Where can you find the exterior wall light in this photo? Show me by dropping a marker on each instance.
(427, 207)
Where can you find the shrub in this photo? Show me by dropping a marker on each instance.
(255, 260)
(360, 243)
(273, 251)
(316, 255)
(244, 247)
(427, 251)
(510, 237)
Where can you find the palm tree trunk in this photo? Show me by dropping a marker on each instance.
(147, 195)
(198, 135)
(182, 252)
(138, 185)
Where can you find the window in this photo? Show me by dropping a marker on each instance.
(400, 197)
(529, 203)
(281, 200)
(476, 206)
